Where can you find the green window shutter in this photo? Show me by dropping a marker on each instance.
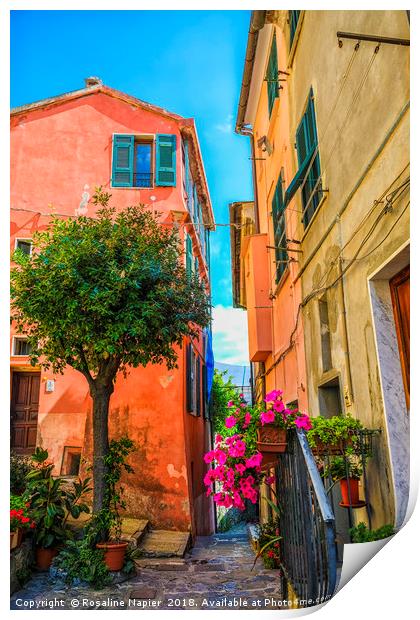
(190, 377)
(122, 160)
(293, 22)
(186, 169)
(279, 226)
(272, 76)
(208, 248)
(189, 256)
(166, 160)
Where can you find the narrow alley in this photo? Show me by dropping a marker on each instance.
(215, 574)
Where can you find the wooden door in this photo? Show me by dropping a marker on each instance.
(400, 293)
(24, 411)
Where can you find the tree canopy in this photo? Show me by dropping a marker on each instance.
(106, 292)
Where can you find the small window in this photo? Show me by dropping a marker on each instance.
(20, 346)
(25, 245)
(143, 163)
(293, 22)
(71, 461)
(272, 76)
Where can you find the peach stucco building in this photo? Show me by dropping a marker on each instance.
(61, 148)
(264, 248)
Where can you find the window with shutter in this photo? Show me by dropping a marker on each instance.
(190, 371)
(198, 386)
(122, 160)
(189, 255)
(293, 22)
(272, 76)
(308, 176)
(279, 226)
(166, 160)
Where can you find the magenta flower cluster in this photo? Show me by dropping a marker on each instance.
(238, 474)
(277, 413)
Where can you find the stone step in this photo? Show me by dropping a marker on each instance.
(133, 530)
(164, 544)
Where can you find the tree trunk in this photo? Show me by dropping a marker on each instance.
(100, 395)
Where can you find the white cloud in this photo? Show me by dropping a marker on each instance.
(230, 335)
(226, 126)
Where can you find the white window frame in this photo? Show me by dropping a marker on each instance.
(27, 240)
(14, 339)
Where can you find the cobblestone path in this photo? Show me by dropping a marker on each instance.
(215, 574)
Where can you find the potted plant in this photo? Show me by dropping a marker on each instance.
(347, 470)
(51, 501)
(105, 528)
(334, 436)
(361, 533)
(275, 420)
(20, 520)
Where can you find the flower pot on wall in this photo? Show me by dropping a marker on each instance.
(114, 554)
(337, 448)
(350, 493)
(271, 440)
(44, 557)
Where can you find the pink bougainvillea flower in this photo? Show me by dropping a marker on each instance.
(240, 467)
(304, 422)
(209, 457)
(241, 395)
(267, 417)
(231, 403)
(242, 405)
(238, 449)
(220, 456)
(269, 479)
(247, 420)
(218, 438)
(278, 405)
(254, 461)
(271, 396)
(230, 421)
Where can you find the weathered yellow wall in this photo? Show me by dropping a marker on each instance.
(351, 131)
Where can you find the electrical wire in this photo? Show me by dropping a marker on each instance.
(397, 194)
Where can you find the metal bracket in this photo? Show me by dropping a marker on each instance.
(370, 37)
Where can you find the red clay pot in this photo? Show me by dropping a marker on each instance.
(271, 439)
(44, 557)
(114, 554)
(353, 485)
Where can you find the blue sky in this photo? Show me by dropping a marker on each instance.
(189, 62)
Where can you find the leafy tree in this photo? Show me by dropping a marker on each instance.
(104, 294)
(223, 391)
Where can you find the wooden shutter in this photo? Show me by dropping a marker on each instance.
(166, 160)
(204, 391)
(122, 160)
(187, 183)
(272, 76)
(189, 256)
(190, 377)
(198, 385)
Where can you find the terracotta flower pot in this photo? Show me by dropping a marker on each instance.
(16, 538)
(44, 557)
(114, 554)
(351, 484)
(337, 448)
(271, 439)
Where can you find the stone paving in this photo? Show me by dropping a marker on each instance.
(215, 574)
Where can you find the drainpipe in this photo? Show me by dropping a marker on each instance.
(345, 330)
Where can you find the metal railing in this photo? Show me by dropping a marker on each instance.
(308, 553)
